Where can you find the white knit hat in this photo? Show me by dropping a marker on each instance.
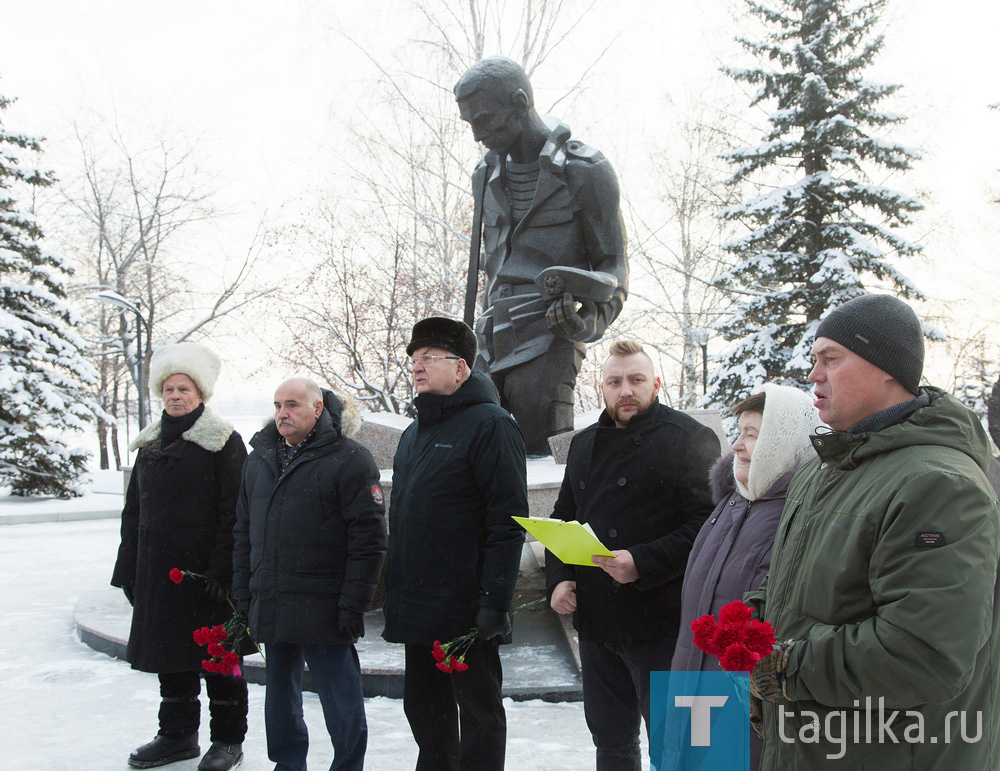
(783, 442)
(199, 363)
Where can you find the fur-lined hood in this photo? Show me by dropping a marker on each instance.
(345, 413)
(210, 432)
(720, 478)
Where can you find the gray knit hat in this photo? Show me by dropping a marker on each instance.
(883, 330)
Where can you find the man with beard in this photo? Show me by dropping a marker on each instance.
(639, 477)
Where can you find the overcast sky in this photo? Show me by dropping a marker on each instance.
(260, 81)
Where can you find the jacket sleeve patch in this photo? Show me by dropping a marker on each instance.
(930, 539)
(377, 494)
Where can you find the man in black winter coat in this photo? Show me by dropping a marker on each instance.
(310, 539)
(639, 477)
(454, 550)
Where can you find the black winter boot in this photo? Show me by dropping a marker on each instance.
(227, 704)
(163, 750)
(221, 757)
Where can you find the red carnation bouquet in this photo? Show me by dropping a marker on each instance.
(450, 656)
(740, 642)
(221, 659)
(737, 639)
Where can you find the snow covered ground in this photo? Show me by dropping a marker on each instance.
(66, 707)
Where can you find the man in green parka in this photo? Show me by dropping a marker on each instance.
(884, 571)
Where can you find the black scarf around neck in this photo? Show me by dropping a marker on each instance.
(172, 427)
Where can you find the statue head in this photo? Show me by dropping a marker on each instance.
(494, 97)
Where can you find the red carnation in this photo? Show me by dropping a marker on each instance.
(758, 636)
(200, 637)
(438, 651)
(460, 666)
(208, 665)
(176, 575)
(215, 650)
(231, 658)
(443, 666)
(725, 635)
(703, 629)
(736, 612)
(738, 658)
(220, 633)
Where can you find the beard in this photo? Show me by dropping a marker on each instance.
(615, 410)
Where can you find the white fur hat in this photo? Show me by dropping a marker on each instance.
(199, 363)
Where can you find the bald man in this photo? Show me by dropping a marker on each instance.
(310, 538)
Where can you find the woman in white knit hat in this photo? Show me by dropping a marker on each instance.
(732, 552)
(179, 513)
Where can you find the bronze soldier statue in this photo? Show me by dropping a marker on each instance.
(553, 248)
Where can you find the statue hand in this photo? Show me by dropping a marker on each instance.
(565, 321)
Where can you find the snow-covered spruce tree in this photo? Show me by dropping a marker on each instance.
(821, 232)
(44, 380)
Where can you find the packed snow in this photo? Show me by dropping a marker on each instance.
(67, 707)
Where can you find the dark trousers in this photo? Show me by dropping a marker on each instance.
(180, 710)
(616, 695)
(457, 719)
(539, 394)
(336, 675)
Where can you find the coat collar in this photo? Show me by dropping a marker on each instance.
(210, 432)
(478, 389)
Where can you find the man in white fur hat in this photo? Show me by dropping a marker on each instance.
(179, 514)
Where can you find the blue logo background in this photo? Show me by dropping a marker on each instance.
(729, 731)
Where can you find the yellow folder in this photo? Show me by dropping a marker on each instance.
(571, 542)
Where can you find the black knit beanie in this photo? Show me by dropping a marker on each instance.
(883, 330)
(449, 334)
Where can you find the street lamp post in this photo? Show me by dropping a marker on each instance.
(111, 297)
(700, 338)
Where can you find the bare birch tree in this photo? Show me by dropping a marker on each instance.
(125, 216)
(407, 221)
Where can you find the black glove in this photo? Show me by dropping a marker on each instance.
(492, 622)
(350, 623)
(129, 594)
(216, 591)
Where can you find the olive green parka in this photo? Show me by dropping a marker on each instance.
(885, 570)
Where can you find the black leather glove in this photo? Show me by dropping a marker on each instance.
(129, 593)
(492, 622)
(350, 623)
(216, 591)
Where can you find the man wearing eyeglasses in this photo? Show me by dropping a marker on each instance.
(454, 550)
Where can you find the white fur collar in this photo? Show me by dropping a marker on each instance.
(210, 432)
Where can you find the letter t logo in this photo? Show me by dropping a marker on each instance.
(701, 713)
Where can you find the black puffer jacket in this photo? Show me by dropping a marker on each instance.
(644, 488)
(179, 513)
(458, 476)
(308, 541)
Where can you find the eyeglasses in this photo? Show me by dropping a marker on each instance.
(428, 359)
